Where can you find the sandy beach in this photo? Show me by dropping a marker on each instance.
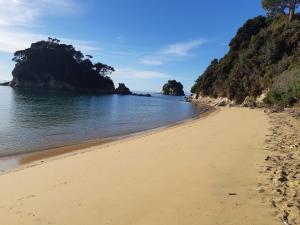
(203, 172)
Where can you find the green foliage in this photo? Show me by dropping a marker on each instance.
(50, 60)
(274, 7)
(261, 50)
(286, 88)
(244, 34)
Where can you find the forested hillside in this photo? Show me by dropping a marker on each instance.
(263, 52)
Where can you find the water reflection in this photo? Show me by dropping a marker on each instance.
(34, 120)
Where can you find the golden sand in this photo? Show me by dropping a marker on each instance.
(204, 172)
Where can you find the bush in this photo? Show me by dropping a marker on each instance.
(286, 88)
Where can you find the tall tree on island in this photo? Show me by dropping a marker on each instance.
(275, 7)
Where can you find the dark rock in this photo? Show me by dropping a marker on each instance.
(5, 84)
(142, 95)
(173, 88)
(123, 90)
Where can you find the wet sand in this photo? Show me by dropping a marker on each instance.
(205, 171)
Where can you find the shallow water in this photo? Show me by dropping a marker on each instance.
(33, 120)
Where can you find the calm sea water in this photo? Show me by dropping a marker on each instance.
(32, 120)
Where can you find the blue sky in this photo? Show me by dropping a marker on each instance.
(148, 42)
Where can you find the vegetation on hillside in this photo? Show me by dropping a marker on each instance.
(264, 49)
(286, 88)
(52, 65)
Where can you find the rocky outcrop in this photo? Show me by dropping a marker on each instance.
(123, 90)
(195, 98)
(173, 88)
(250, 102)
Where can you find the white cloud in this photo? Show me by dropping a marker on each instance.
(183, 48)
(18, 16)
(25, 12)
(11, 41)
(173, 52)
(138, 74)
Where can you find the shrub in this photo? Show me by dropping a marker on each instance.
(286, 88)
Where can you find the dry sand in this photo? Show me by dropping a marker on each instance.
(283, 165)
(204, 172)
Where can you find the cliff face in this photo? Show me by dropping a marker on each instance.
(51, 65)
(173, 88)
(262, 50)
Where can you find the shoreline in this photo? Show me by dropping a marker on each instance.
(12, 162)
(185, 174)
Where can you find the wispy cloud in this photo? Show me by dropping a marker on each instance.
(25, 12)
(13, 40)
(172, 52)
(138, 74)
(183, 48)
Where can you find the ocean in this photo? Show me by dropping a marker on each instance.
(33, 120)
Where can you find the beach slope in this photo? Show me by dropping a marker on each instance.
(204, 172)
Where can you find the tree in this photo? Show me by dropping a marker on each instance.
(293, 5)
(275, 7)
(103, 69)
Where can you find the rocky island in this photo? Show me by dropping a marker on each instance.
(123, 90)
(55, 66)
(173, 88)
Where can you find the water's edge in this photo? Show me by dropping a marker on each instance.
(16, 161)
